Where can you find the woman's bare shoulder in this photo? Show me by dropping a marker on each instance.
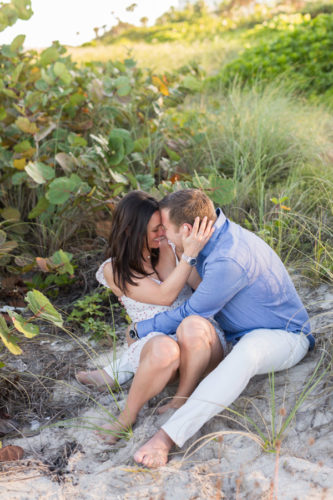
(108, 275)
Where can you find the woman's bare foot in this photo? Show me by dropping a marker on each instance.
(117, 430)
(174, 404)
(96, 378)
(155, 452)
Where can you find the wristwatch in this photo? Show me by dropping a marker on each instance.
(190, 260)
(133, 333)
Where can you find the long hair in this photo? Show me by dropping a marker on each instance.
(128, 238)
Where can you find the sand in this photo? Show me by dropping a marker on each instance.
(223, 460)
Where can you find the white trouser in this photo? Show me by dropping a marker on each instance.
(260, 351)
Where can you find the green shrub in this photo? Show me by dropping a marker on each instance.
(301, 52)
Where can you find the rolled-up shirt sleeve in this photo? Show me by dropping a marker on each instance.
(222, 280)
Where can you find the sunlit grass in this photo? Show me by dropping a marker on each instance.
(162, 57)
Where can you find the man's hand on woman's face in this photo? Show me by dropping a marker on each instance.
(194, 240)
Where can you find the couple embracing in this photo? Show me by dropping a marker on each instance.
(208, 300)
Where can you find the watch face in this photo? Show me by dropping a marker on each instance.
(132, 334)
(193, 262)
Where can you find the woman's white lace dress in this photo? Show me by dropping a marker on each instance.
(123, 368)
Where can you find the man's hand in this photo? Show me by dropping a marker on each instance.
(194, 241)
(129, 340)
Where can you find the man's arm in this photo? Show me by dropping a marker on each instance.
(222, 279)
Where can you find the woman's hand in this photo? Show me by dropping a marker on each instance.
(195, 240)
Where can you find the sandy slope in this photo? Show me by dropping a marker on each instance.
(231, 467)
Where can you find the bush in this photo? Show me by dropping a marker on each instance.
(302, 53)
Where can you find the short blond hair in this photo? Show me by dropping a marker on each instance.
(187, 204)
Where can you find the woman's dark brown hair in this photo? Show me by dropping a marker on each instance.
(128, 238)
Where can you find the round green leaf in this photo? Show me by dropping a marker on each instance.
(62, 260)
(116, 150)
(49, 56)
(40, 172)
(22, 146)
(62, 188)
(62, 72)
(18, 178)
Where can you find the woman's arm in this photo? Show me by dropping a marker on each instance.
(194, 279)
(149, 291)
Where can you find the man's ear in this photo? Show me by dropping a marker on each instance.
(186, 228)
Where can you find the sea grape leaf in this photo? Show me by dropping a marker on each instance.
(49, 56)
(10, 213)
(140, 145)
(28, 329)
(23, 9)
(65, 161)
(19, 163)
(18, 178)
(42, 308)
(17, 43)
(42, 205)
(160, 85)
(146, 181)
(22, 146)
(120, 144)
(3, 113)
(40, 172)
(62, 188)
(62, 261)
(62, 72)
(9, 340)
(192, 83)
(222, 191)
(116, 150)
(26, 125)
(123, 85)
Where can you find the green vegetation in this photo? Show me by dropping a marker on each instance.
(300, 52)
(251, 126)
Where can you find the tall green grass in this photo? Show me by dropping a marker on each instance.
(278, 150)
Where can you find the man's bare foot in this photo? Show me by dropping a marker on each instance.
(174, 404)
(155, 452)
(96, 378)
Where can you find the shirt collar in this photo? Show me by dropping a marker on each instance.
(219, 226)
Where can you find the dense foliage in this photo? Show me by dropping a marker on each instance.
(301, 52)
(75, 137)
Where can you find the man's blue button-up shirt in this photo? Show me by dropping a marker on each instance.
(244, 286)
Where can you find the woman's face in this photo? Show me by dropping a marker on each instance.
(155, 230)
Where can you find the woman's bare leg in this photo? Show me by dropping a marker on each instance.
(159, 362)
(200, 353)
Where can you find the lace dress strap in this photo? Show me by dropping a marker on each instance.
(173, 246)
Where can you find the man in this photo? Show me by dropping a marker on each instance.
(246, 287)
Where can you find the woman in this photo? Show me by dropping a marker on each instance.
(142, 271)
